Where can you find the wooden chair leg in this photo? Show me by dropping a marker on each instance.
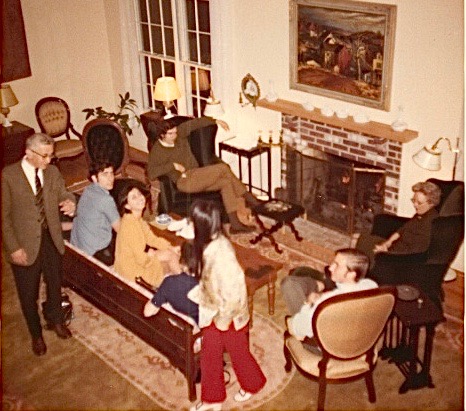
(322, 391)
(370, 386)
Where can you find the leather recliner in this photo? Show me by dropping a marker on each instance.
(424, 270)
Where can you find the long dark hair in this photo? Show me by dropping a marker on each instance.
(207, 226)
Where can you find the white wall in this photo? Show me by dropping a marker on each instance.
(85, 52)
(69, 54)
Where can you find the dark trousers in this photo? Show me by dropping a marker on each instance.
(107, 254)
(27, 279)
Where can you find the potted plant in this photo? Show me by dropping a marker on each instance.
(125, 114)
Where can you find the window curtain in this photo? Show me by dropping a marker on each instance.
(15, 58)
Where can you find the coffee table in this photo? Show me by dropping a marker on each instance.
(259, 270)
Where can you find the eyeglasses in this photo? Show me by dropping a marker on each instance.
(44, 156)
(419, 203)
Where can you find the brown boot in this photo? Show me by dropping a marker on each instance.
(237, 227)
(251, 200)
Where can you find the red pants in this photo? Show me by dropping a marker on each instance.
(248, 372)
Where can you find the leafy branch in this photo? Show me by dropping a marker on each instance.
(126, 111)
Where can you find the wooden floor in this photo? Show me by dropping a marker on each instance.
(75, 170)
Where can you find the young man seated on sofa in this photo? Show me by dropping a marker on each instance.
(171, 155)
(97, 218)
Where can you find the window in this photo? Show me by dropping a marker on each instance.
(175, 40)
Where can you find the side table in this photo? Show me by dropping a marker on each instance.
(14, 142)
(249, 154)
(283, 213)
(401, 340)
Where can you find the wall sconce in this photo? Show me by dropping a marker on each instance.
(7, 100)
(166, 90)
(430, 158)
(213, 107)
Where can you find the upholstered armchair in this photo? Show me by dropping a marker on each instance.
(424, 270)
(54, 119)
(346, 329)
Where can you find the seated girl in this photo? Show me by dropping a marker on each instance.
(138, 251)
(175, 288)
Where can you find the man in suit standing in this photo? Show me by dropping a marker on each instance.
(33, 194)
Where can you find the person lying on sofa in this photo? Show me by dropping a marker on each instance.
(97, 219)
(347, 270)
(138, 251)
(172, 155)
(175, 288)
(414, 235)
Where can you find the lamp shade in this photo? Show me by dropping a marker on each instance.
(428, 158)
(204, 83)
(213, 109)
(166, 89)
(7, 97)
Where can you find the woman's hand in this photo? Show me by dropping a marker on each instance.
(313, 297)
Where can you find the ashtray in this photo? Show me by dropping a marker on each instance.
(163, 219)
(407, 292)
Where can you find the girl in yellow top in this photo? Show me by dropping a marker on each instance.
(139, 252)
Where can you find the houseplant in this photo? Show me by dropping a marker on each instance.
(125, 114)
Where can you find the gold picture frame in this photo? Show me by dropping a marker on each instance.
(343, 49)
(250, 89)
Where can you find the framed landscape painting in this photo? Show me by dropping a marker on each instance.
(343, 49)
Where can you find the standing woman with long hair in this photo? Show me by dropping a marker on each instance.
(223, 311)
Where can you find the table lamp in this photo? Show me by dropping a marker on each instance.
(213, 107)
(166, 90)
(7, 100)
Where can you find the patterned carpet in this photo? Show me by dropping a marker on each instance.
(141, 365)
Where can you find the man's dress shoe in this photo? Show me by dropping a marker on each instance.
(60, 329)
(39, 347)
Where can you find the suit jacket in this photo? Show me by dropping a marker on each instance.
(20, 216)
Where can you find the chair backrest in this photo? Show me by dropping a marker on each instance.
(347, 326)
(452, 200)
(53, 116)
(202, 143)
(447, 234)
(105, 140)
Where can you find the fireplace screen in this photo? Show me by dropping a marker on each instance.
(336, 192)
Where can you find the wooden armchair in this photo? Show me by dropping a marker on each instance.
(346, 328)
(54, 119)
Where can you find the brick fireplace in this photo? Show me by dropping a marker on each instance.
(307, 136)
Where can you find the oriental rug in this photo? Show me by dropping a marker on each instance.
(152, 373)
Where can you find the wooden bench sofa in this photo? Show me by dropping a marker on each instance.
(167, 332)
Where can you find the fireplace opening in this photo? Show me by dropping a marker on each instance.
(336, 192)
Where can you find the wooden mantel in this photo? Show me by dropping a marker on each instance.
(371, 128)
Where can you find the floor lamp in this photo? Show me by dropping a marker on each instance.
(430, 159)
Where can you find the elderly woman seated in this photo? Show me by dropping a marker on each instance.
(414, 235)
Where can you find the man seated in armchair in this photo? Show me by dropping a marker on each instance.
(171, 155)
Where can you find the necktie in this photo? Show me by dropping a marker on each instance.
(40, 201)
